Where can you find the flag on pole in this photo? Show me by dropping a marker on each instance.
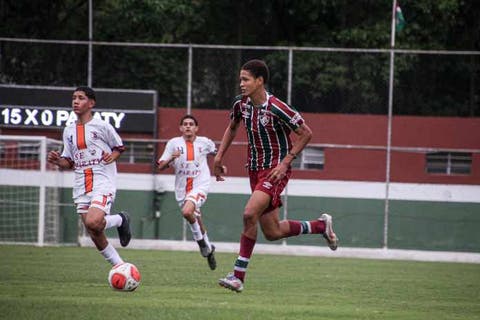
(399, 19)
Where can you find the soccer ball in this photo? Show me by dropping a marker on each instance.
(124, 277)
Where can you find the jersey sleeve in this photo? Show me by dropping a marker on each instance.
(67, 152)
(236, 111)
(113, 139)
(167, 153)
(288, 115)
(211, 147)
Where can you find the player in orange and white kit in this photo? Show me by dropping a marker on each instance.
(91, 147)
(188, 156)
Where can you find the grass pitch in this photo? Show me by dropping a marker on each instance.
(71, 283)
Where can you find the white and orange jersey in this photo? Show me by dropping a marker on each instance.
(191, 167)
(84, 145)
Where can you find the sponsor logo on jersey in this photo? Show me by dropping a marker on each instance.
(87, 163)
(296, 118)
(267, 185)
(245, 114)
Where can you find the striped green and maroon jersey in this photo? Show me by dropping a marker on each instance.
(268, 129)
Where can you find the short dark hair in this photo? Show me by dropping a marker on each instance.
(189, 116)
(89, 92)
(258, 68)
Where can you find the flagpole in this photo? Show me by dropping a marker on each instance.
(389, 128)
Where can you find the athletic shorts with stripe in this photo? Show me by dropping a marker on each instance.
(259, 181)
(198, 198)
(103, 202)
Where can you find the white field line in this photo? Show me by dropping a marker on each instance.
(311, 251)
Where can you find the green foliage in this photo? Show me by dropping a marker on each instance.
(71, 283)
(340, 82)
(164, 21)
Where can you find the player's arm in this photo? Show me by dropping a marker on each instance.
(54, 157)
(218, 168)
(113, 140)
(304, 134)
(111, 157)
(164, 164)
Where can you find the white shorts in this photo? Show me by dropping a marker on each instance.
(103, 202)
(197, 197)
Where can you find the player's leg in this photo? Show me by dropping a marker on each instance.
(256, 205)
(120, 220)
(203, 229)
(212, 262)
(191, 213)
(188, 213)
(94, 221)
(273, 229)
(198, 198)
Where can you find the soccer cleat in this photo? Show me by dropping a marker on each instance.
(329, 235)
(231, 282)
(212, 263)
(124, 232)
(203, 248)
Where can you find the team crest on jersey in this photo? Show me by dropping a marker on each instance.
(70, 139)
(92, 152)
(180, 149)
(264, 119)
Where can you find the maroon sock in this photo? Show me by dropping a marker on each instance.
(295, 228)
(318, 226)
(246, 250)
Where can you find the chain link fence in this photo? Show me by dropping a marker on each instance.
(312, 79)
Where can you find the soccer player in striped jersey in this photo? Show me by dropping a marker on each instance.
(268, 122)
(91, 147)
(188, 156)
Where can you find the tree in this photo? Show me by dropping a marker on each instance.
(323, 82)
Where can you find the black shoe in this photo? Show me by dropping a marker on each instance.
(203, 248)
(124, 233)
(212, 263)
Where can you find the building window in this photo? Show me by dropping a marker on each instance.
(28, 150)
(449, 162)
(310, 158)
(138, 152)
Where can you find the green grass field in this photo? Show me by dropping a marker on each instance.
(71, 283)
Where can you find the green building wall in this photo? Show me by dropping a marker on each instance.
(419, 225)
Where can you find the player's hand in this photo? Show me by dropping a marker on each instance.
(107, 157)
(219, 170)
(53, 157)
(278, 173)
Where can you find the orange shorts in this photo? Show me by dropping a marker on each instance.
(259, 181)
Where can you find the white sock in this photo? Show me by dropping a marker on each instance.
(196, 232)
(111, 255)
(113, 220)
(207, 241)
